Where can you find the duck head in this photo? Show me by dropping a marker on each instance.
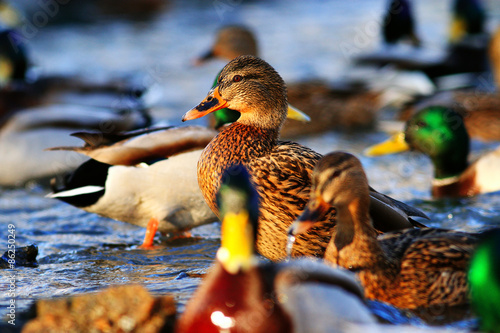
(231, 42)
(338, 181)
(250, 86)
(440, 133)
(13, 57)
(437, 132)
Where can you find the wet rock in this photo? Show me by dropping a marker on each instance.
(24, 257)
(117, 309)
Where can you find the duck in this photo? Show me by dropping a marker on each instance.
(484, 281)
(409, 269)
(241, 293)
(21, 88)
(280, 170)
(123, 178)
(466, 52)
(399, 25)
(440, 133)
(479, 106)
(145, 177)
(344, 105)
(26, 133)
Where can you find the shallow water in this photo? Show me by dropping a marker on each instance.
(81, 252)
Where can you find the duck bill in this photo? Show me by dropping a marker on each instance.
(204, 58)
(395, 144)
(237, 247)
(296, 114)
(211, 103)
(315, 211)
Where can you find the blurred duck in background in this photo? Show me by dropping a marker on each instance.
(478, 105)
(39, 113)
(343, 105)
(466, 51)
(441, 134)
(484, 279)
(25, 135)
(398, 24)
(21, 88)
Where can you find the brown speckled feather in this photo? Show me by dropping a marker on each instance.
(410, 269)
(427, 267)
(281, 173)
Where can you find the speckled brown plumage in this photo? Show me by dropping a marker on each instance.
(281, 171)
(409, 269)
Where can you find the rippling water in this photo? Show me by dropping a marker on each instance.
(81, 252)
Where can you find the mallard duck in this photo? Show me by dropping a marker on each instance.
(341, 106)
(27, 133)
(398, 24)
(440, 133)
(281, 170)
(241, 294)
(21, 91)
(480, 107)
(410, 269)
(484, 281)
(466, 51)
(146, 178)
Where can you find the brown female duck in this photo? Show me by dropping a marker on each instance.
(409, 269)
(280, 170)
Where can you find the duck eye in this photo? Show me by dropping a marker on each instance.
(421, 123)
(237, 78)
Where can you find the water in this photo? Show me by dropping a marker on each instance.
(81, 252)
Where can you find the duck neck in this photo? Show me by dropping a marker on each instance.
(253, 141)
(452, 164)
(355, 241)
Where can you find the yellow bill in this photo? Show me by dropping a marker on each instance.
(296, 114)
(237, 245)
(395, 144)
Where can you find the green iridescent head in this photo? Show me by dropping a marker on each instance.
(440, 133)
(484, 279)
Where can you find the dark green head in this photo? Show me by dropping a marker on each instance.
(13, 56)
(440, 133)
(484, 279)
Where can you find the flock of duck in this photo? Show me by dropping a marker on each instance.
(275, 198)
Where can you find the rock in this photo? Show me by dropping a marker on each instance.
(23, 256)
(117, 309)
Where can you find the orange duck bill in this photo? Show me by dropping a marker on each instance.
(316, 210)
(211, 103)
